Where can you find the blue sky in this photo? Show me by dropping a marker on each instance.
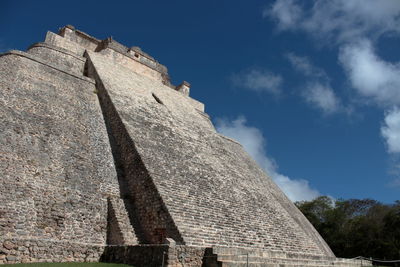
(310, 88)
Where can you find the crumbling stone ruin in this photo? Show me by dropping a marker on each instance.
(102, 158)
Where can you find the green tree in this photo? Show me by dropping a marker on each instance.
(356, 227)
(316, 210)
(391, 230)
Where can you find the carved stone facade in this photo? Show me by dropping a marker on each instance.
(102, 158)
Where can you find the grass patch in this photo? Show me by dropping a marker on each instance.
(67, 264)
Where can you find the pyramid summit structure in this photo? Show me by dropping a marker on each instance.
(102, 158)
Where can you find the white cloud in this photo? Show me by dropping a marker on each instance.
(391, 130)
(371, 76)
(317, 91)
(322, 97)
(286, 13)
(254, 143)
(337, 20)
(259, 81)
(295, 189)
(304, 66)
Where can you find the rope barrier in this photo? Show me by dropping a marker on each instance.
(375, 260)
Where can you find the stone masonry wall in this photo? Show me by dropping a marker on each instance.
(59, 41)
(59, 57)
(132, 64)
(215, 193)
(159, 255)
(56, 163)
(26, 250)
(147, 206)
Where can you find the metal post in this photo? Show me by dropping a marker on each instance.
(163, 256)
(247, 259)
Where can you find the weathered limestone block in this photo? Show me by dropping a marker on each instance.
(134, 65)
(59, 41)
(79, 38)
(59, 57)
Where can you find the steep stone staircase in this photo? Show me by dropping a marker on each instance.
(237, 257)
(123, 227)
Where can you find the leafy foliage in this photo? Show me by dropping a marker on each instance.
(356, 227)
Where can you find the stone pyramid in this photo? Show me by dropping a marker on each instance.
(102, 158)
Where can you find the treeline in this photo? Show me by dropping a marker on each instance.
(356, 227)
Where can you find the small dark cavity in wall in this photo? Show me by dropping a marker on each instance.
(157, 99)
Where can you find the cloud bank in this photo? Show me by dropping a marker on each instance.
(353, 26)
(254, 143)
(337, 21)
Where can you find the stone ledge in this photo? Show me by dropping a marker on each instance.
(43, 62)
(58, 49)
(33, 239)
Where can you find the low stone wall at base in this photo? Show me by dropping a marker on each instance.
(16, 250)
(188, 256)
(159, 255)
(139, 255)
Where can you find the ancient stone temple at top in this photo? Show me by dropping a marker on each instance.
(102, 158)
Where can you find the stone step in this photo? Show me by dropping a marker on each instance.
(269, 253)
(257, 258)
(292, 264)
(268, 260)
(233, 257)
(263, 264)
(278, 262)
